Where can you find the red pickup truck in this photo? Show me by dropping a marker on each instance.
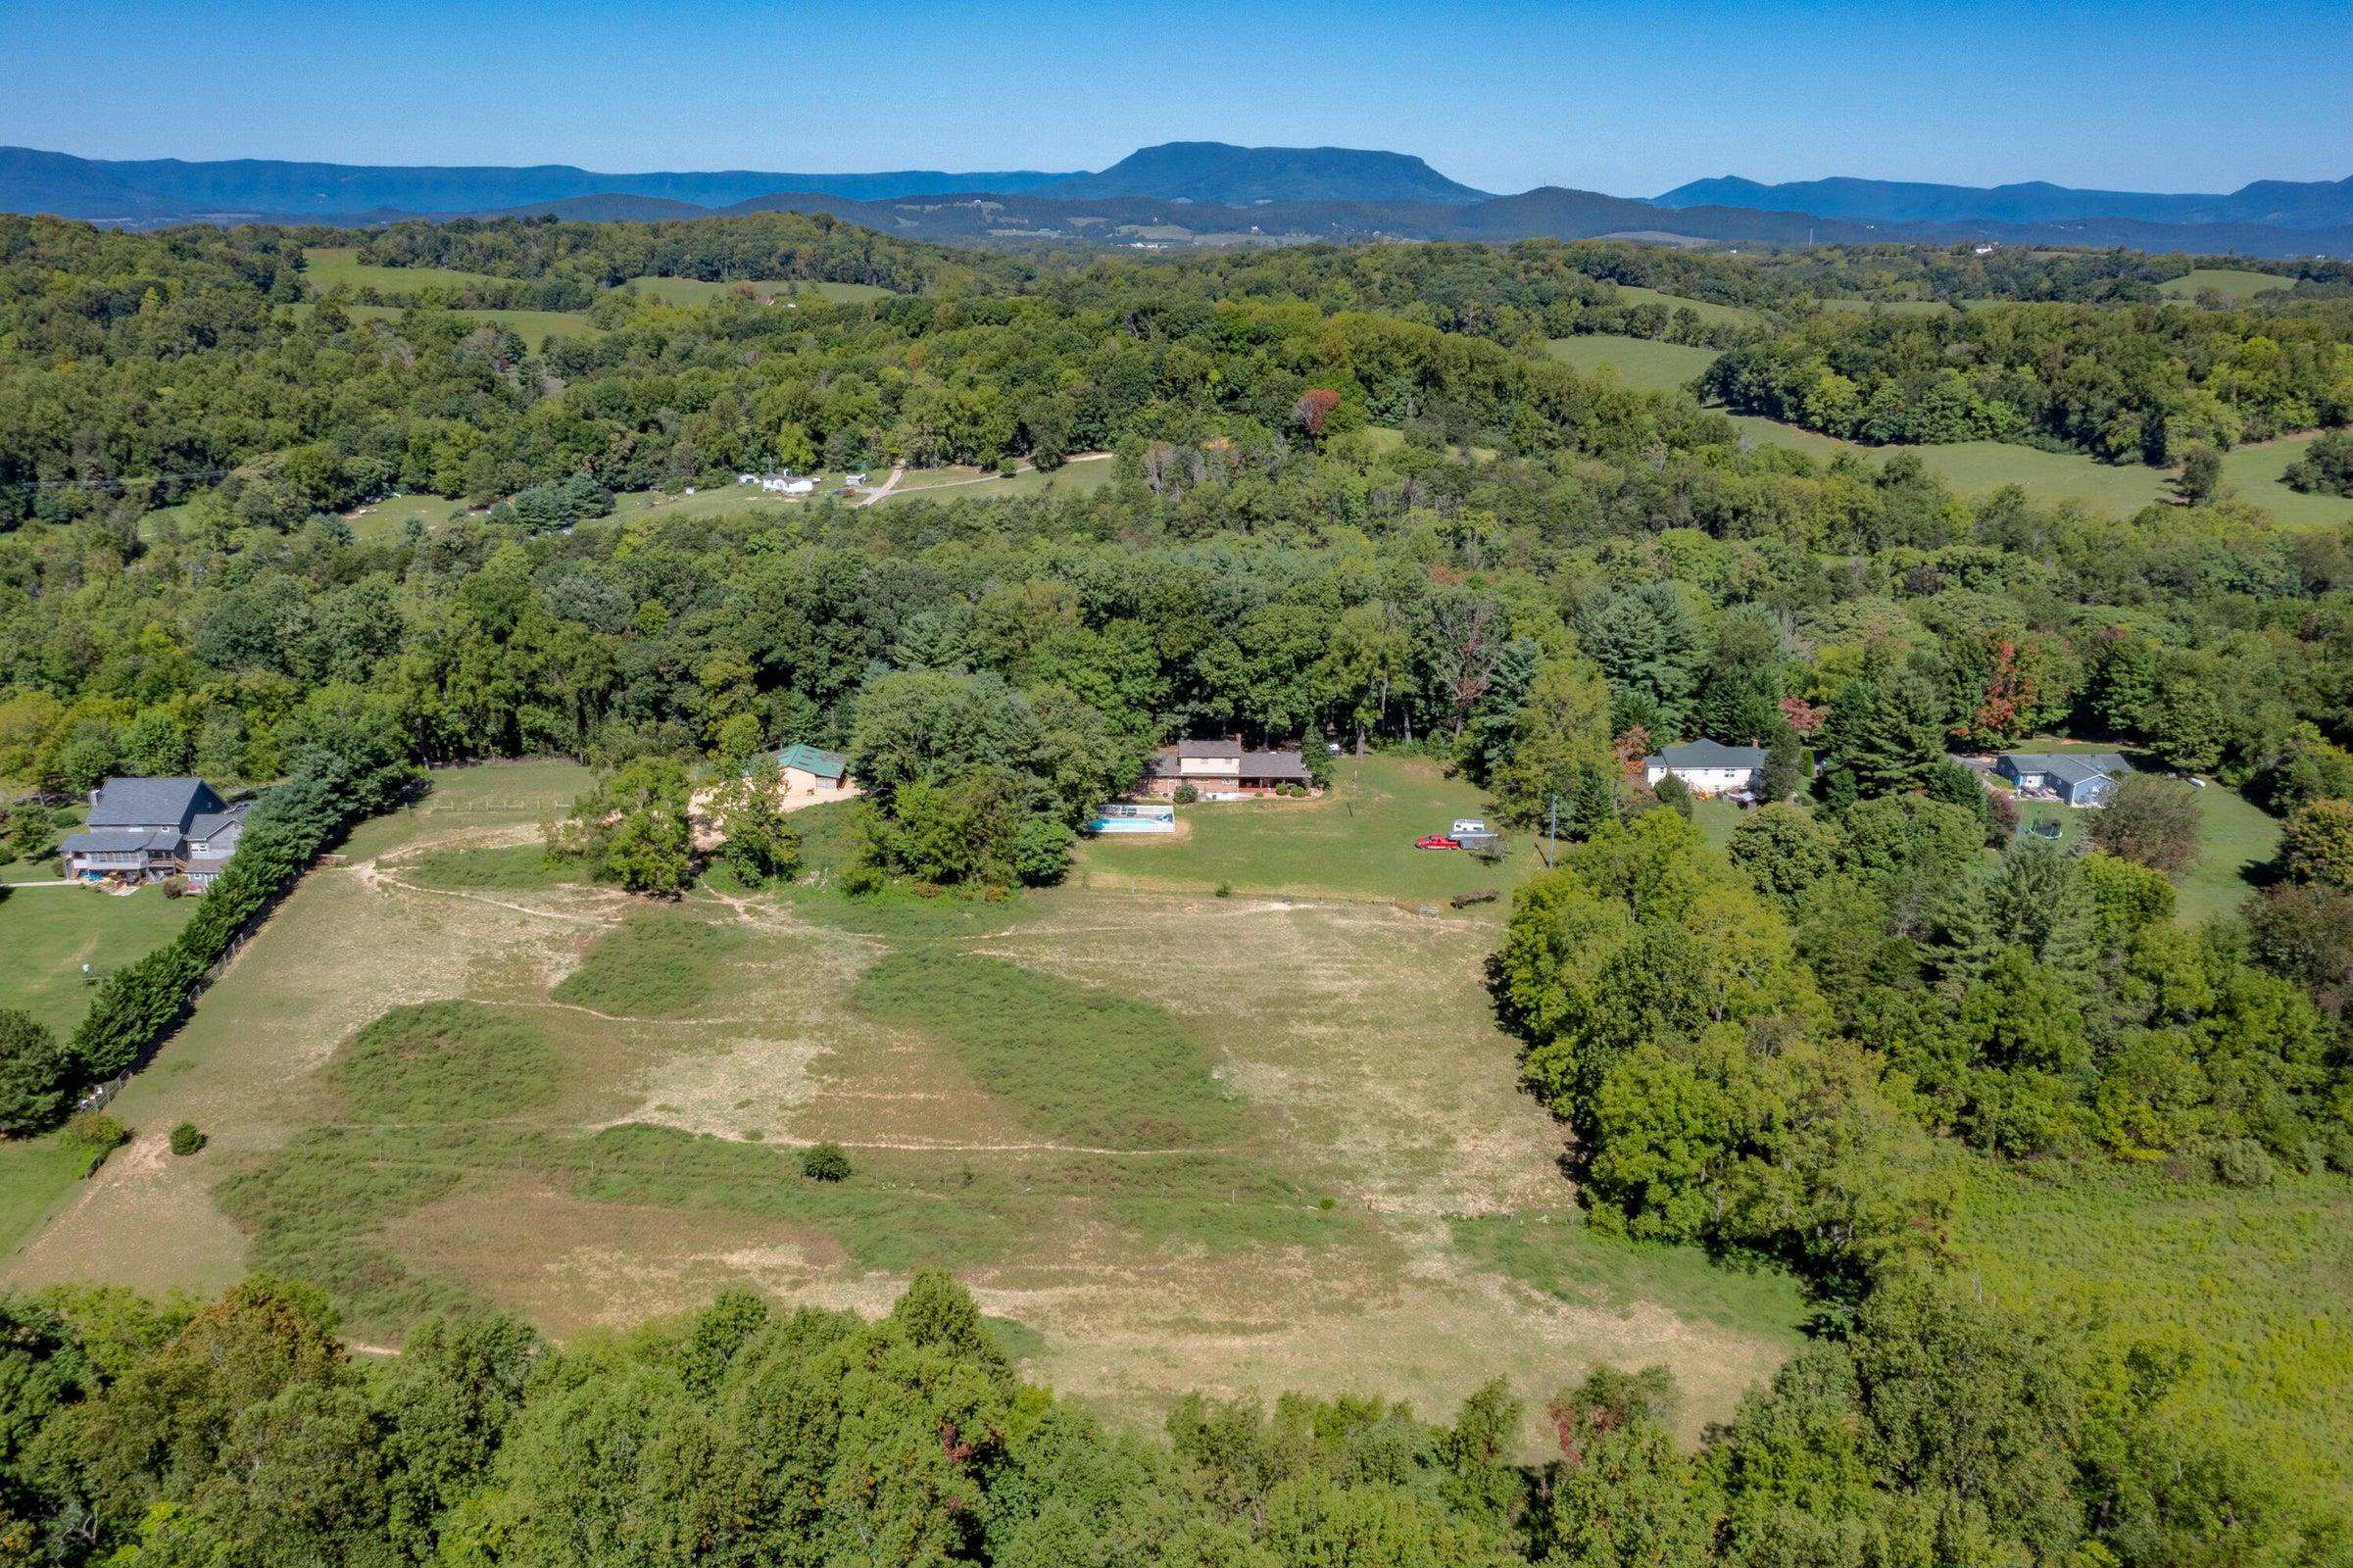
(1436, 841)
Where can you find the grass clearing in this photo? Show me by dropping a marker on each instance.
(1636, 294)
(49, 933)
(2251, 1285)
(327, 267)
(1642, 364)
(35, 1173)
(2233, 284)
(960, 483)
(694, 291)
(1979, 467)
(662, 963)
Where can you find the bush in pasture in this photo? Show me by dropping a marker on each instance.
(186, 1139)
(825, 1162)
(761, 845)
(2325, 468)
(97, 1131)
(32, 1074)
(632, 828)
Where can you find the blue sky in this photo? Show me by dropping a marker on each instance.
(1629, 99)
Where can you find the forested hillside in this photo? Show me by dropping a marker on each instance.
(1348, 500)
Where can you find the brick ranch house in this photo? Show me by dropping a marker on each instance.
(1222, 770)
(146, 829)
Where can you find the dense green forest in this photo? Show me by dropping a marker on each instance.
(1348, 500)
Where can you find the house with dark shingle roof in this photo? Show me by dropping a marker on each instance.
(1223, 768)
(142, 829)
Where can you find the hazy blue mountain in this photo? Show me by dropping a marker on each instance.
(2279, 203)
(1237, 176)
(154, 189)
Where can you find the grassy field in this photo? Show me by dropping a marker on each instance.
(957, 483)
(2252, 1287)
(1643, 363)
(50, 933)
(694, 291)
(2233, 283)
(1980, 468)
(1636, 294)
(329, 266)
(1245, 1144)
(1356, 842)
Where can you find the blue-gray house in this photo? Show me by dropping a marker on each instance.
(2077, 778)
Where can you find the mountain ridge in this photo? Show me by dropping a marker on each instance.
(2277, 203)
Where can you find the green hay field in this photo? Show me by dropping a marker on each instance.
(2233, 284)
(1980, 468)
(327, 267)
(1708, 310)
(694, 291)
(1642, 364)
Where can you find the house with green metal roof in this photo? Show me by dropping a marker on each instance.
(810, 775)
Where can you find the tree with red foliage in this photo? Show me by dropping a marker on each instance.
(1314, 409)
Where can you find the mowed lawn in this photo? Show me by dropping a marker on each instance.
(2253, 1288)
(1354, 841)
(1642, 364)
(49, 933)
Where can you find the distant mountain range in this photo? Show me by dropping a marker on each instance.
(2274, 203)
(1196, 193)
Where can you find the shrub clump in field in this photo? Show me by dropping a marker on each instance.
(825, 1162)
(186, 1139)
(97, 1132)
(659, 965)
(2325, 468)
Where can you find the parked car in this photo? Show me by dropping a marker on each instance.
(1436, 841)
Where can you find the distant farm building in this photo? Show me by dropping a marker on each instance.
(1223, 769)
(2086, 778)
(811, 776)
(144, 829)
(1707, 767)
(781, 484)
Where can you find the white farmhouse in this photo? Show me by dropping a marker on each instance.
(1707, 767)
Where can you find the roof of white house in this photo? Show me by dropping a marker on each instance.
(1707, 754)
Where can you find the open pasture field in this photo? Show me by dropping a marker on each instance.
(328, 266)
(691, 291)
(1080, 476)
(1263, 1142)
(1708, 310)
(1642, 364)
(1980, 468)
(2252, 1287)
(2233, 284)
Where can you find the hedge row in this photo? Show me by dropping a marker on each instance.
(141, 1001)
